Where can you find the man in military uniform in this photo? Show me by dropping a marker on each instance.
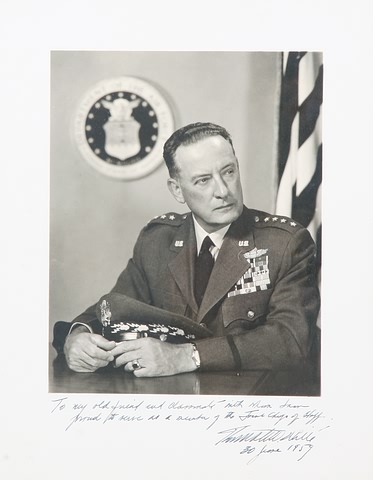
(261, 299)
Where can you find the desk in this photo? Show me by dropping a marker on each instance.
(110, 380)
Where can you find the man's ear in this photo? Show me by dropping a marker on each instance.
(175, 189)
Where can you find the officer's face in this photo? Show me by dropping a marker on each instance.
(209, 182)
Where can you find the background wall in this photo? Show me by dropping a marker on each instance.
(94, 220)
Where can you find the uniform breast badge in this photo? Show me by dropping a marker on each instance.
(256, 278)
(105, 313)
(255, 253)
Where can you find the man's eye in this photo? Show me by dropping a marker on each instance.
(230, 171)
(202, 181)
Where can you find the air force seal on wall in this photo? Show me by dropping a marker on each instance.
(121, 126)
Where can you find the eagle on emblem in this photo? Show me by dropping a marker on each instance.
(121, 129)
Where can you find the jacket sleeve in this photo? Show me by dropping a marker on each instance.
(284, 339)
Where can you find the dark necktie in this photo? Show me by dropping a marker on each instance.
(204, 265)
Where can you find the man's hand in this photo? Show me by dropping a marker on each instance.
(86, 352)
(155, 358)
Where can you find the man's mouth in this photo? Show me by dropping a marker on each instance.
(224, 207)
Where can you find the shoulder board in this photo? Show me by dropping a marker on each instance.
(278, 221)
(171, 218)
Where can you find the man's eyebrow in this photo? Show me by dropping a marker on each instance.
(208, 174)
(230, 164)
(200, 175)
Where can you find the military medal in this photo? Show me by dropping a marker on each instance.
(256, 278)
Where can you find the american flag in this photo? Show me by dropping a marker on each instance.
(300, 141)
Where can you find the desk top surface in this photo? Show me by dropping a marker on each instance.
(110, 380)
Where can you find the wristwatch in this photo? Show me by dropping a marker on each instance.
(195, 356)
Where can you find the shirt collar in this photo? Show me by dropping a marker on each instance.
(217, 237)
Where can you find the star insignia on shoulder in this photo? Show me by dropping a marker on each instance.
(171, 219)
(277, 221)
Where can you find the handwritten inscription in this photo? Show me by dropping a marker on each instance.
(252, 429)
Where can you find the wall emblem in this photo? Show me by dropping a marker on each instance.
(121, 126)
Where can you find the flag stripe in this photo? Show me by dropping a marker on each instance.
(303, 205)
(310, 109)
(289, 176)
(300, 141)
(309, 67)
(318, 251)
(307, 157)
(315, 223)
(300, 144)
(288, 107)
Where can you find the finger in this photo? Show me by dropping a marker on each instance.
(82, 354)
(102, 342)
(81, 368)
(126, 358)
(99, 354)
(126, 347)
(142, 373)
(98, 359)
(94, 363)
(85, 360)
(78, 363)
(128, 367)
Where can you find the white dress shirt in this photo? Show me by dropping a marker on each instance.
(217, 237)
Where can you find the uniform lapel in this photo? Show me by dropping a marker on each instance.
(230, 264)
(182, 265)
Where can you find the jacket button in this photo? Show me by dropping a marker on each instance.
(250, 314)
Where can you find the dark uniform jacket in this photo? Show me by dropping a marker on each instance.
(261, 301)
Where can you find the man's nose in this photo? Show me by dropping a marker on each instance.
(221, 190)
